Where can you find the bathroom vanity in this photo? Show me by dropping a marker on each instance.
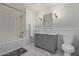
(46, 41)
(51, 41)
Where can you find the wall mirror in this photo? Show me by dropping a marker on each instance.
(48, 20)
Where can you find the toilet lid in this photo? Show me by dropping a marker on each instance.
(68, 46)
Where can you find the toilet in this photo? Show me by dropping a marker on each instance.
(67, 46)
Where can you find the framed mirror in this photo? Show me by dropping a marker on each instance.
(48, 20)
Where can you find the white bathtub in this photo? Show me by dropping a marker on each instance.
(13, 45)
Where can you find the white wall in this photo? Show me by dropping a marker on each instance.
(68, 18)
(10, 24)
(30, 19)
(67, 15)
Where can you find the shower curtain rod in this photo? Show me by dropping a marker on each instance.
(12, 7)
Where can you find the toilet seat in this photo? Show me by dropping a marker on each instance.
(68, 48)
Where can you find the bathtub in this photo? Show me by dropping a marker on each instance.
(9, 46)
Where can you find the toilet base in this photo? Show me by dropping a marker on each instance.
(67, 54)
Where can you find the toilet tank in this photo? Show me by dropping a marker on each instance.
(68, 38)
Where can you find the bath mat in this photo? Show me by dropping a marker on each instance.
(16, 52)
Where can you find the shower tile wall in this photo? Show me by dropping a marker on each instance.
(10, 24)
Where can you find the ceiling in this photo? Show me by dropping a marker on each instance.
(37, 7)
(20, 6)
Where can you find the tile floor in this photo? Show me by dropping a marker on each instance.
(35, 51)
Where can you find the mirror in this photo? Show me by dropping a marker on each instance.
(48, 20)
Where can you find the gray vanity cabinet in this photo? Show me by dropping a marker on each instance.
(47, 42)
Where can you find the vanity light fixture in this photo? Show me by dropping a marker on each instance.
(40, 18)
(55, 14)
